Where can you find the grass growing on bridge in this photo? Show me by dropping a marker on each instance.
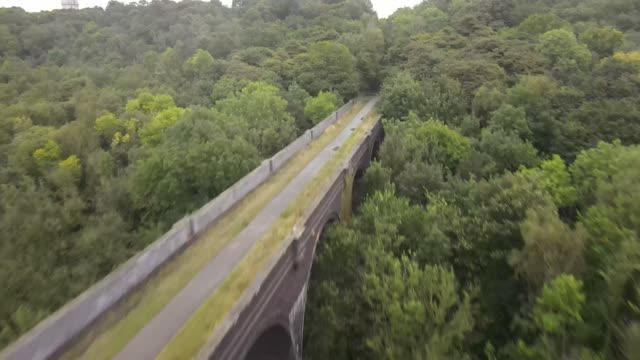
(197, 331)
(121, 324)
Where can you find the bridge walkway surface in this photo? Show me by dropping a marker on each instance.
(145, 334)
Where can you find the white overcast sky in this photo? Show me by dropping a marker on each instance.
(383, 7)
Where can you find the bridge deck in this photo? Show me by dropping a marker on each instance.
(136, 338)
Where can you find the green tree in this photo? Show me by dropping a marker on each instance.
(152, 133)
(327, 66)
(150, 104)
(201, 64)
(484, 218)
(534, 94)
(400, 95)
(472, 74)
(564, 50)
(368, 49)
(403, 228)
(297, 99)
(24, 144)
(604, 180)
(319, 107)
(377, 178)
(602, 41)
(556, 314)
(38, 226)
(554, 177)
(227, 87)
(607, 120)
(107, 126)
(630, 57)
(595, 168)
(371, 250)
(419, 154)
(511, 120)
(10, 44)
(551, 248)
(507, 150)
(538, 24)
(417, 312)
(195, 163)
(269, 126)
(72, 167)
(488, 98)
(444, 99)
(48, 154)
(434, 18)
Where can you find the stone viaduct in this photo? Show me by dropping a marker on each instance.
(268, 323)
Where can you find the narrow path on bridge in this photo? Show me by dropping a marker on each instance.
(152, 339)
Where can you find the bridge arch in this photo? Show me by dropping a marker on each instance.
(274, 343)
(332, 218)
(357, 190)
(375, 149)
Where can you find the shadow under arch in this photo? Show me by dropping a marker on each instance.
(375, 150)
(357, 191)
(332, 219)
(273, 344)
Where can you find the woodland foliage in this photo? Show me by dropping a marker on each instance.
(504, 195)
(501, 217)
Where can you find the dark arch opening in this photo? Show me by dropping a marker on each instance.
(273, 344)
(358, 191)
(331, 220)
(308, 323)
(376, 146)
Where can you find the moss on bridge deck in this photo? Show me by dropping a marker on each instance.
(121, 324)
(198, 330)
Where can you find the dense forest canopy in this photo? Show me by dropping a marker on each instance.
(116, 123)
(501, 218)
